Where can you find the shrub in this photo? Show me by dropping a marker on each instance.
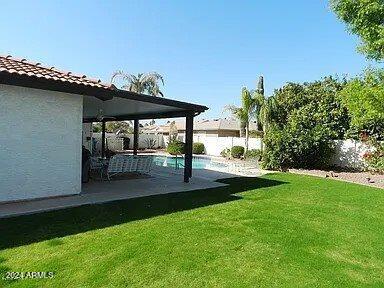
(175, 147)
(306, 119)
(198, 148)
(375, 159)
(364, 97)
(237, 151)
(226, 153)
(296, 148)
(254, 154)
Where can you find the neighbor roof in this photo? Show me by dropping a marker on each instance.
(20, 72)
(203, 125)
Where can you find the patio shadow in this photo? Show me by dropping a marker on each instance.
(242, 184)
(51, 225)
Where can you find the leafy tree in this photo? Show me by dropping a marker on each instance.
(364, 97)
(305, 118)
(245, 112)
(365, 19)
(96, 127)
(118, 127)
(141, 83)
(113, 127)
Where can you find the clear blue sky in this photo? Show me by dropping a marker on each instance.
(206, 50)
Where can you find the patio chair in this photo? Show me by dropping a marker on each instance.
(130, 164)
(144, 164)
(115, 166)
(97, 165)
(119, 164)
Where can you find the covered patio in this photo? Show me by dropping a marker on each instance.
(121, 105)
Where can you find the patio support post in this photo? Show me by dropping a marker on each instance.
(135, 136)
(188, 147)
(103, 138)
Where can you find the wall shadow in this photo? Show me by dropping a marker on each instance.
(22, 230)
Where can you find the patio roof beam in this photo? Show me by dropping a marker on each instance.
(135, 136)
(158, 100)
(188, 147)
(103, 139)
(143, 116)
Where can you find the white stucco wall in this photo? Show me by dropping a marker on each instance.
(214, 145)
(40, 143)
(349, 153)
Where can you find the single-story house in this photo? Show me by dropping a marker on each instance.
(223, 127)
(42, 115)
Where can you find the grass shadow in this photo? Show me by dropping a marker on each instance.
(51, 225)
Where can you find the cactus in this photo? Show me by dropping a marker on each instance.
(260, 86)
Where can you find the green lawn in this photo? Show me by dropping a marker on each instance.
(281, 230)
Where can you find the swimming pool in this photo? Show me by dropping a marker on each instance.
(178, 162)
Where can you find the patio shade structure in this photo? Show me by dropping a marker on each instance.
(126, 105)
(103, 102)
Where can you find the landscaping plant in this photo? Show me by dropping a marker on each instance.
(176, 147)
(254, 154)
(198, 148)
(226, 153)
(375, 158)
(237, 151)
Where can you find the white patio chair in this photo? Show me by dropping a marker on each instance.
(115, 166)
(144, 164)
(130, 164)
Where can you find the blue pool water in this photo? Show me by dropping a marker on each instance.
(178, 162)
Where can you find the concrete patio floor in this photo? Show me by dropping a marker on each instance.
(163, 180)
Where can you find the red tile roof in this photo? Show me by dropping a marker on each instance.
(12, 65)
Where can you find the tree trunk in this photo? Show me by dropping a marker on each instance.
(246, 137)
(242, 128)
(262, 144)
(262, 138)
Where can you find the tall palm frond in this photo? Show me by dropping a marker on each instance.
(141, 83)
(245, 112)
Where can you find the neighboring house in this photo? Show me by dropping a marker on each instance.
(223, 127)
(43, 111)
(216, 135)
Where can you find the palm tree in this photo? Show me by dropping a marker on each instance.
(265, 115)
(141, 83)
(244, 113)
